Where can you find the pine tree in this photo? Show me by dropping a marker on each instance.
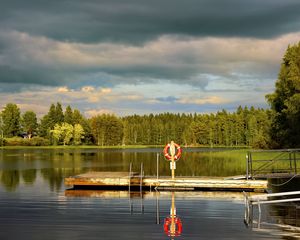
(68, 116)
(285, 101)
(59, 115)
(48, 122)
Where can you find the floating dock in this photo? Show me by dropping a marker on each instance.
(119, 180)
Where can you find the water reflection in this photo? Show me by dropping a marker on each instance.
(277, 219)
(53, 165)
(173, 223)
(10, 179)
(29, 176)
(34, 202)
(163, 207)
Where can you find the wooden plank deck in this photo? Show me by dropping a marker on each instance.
(121, 179)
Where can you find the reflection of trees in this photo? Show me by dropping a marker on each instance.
(61, 163)
(10, 179)
(54, 176)
(29, 176)
(191, 164)
(56, 164)
(286, 214)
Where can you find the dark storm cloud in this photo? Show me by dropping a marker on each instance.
(137, 21)
(10, 75)
(105, 43)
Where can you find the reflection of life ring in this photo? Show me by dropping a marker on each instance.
(168, 155)
(178, 226)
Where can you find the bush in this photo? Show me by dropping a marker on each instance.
(38, 141)
(2, 141)
(14, 141)
(18, 141)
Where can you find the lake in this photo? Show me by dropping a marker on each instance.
(35, 204)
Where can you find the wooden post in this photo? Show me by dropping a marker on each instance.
(157, 208)
(173, 215)
(172, 152)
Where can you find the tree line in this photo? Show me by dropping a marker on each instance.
(245, 127)
(276, 127)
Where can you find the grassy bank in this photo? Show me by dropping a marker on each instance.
(118, 147)
(82, 147)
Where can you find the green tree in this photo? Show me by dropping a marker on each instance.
(29, 123)
(59, 115)
(107, 129)
(78, 134)
(285, 101)
(48, 122)
(63, 133)
(11, 118)
(77, 117)
(68, 116)
(200, 132)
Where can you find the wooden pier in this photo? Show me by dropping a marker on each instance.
(133, 181)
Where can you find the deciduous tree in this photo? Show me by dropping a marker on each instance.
(11, 117)
(78, 134)
(29, 123)
(63, 132)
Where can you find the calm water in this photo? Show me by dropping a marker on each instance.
(34, 203)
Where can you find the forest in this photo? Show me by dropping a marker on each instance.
(276, 127)
(245, 127)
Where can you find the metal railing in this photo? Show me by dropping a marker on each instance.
(250, 201)
(264, 163)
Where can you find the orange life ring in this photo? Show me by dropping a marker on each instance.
(178, 228)
(168, 155)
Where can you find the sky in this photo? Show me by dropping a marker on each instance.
(138, 56)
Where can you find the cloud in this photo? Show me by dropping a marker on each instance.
(140, 21)
(127, 100)
(169, 99)
(106, 90)
(31, 60)
(88, 89)
(202, 101)
(63, 89)
(143, 56)
(94, 112)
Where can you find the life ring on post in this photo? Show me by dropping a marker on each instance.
(178, 226)
(167, 153)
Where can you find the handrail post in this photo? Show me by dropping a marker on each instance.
(129, 177)
(157, 165)
(290, 160)
(250, 164)
(247, 167)
(141, 178)
(295, 162)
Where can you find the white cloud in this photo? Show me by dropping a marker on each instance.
(94, 112)
(63, 89)
(202, 101)
(105, 90)
(87, 89)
